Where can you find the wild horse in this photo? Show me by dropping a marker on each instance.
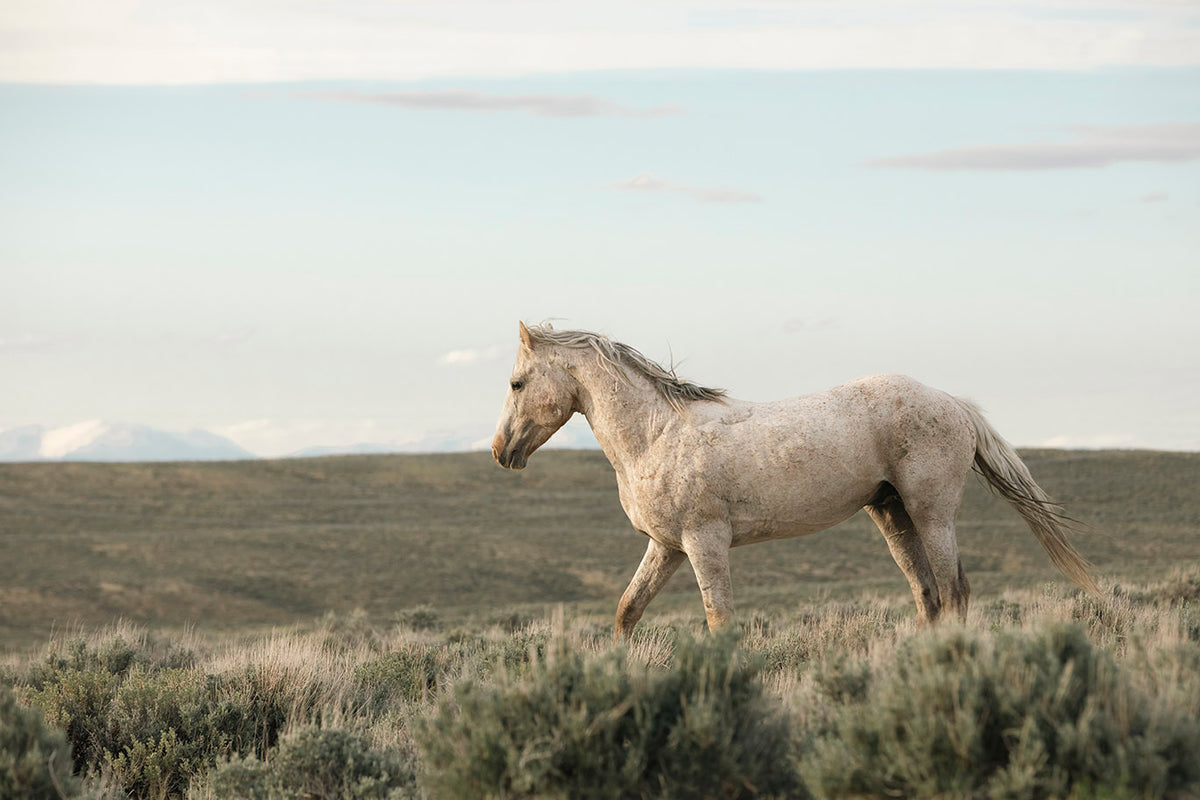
(700, 472)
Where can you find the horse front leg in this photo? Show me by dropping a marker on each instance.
(658, 565)
(708, 550)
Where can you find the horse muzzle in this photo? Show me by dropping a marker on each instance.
(509, 451)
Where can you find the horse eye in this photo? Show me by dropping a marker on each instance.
(517, 385)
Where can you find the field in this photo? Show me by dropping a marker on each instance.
(387, 611)
(243, 546)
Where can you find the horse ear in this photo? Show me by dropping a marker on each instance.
(526, 339)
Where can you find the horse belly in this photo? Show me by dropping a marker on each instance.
(786, 515)
(797, 498)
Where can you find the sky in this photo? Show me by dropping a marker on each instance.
(312, 223)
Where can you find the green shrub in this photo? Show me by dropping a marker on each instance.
(164, 727)
(401, 676)
(523, 646)
(79, 702)
(154, 768)
(79, 684)
(420, 618)
(598, 726)
(150, 731)
(35, 759)
(1180, 589)
(109, 653)
(1037, 715)
(511, 620)
(253, 709)
(314, 764)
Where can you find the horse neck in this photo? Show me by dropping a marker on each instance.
(626, 416)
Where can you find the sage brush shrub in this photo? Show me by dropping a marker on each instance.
(149, 732)
(420, 618)
(598, 726)
(1014, 715)
(314, 764)
(77, 683)
(78, 701)
(160, 732)
(113, 654)
(400, 676)
(147, 726)
(35, 759)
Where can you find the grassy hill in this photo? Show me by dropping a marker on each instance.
(239, 546)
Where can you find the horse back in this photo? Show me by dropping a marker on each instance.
(798, 466)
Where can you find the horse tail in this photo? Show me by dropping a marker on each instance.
(1002, 468)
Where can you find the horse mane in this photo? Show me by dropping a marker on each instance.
(614, 355)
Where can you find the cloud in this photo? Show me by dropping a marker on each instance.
(57, 442)
(543, 105)
(649, 184)
(272, 438)
(1155, 197)
(261, 41)
(1092, 147)
(476, 355)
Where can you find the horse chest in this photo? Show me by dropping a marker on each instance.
(664, 507)
(638, 506)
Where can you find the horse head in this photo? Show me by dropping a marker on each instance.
(542, 396)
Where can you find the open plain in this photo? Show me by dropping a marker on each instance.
(432, 626)
(238, 546)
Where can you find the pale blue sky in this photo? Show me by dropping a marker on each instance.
(301, 262)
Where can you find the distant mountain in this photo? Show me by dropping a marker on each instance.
(106, 441)
(95, 440)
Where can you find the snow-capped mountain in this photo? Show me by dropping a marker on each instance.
(106, 441)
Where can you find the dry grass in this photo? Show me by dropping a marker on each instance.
(383, 683)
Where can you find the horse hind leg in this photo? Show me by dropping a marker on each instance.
(889, 514)
(934, 523)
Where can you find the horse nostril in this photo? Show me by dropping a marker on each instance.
(499, 443)
(503, 456)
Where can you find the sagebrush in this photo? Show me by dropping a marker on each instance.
(1046, 693)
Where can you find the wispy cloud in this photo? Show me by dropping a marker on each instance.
(476, 355)
(807, 324)
(272, 438)
(649, 184)
(259, 41)
(1092, 147)
(543, 105)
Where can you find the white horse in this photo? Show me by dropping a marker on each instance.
(699, 472)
